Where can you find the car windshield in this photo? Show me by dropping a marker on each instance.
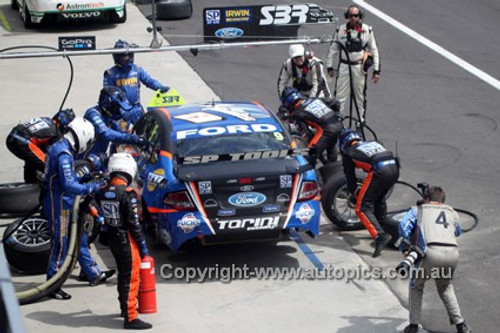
(230, 144)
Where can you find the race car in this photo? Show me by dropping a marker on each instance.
(35, 11)
(223, 172)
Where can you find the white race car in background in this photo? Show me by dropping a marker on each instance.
(35, 11)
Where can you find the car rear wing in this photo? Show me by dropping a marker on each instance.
(192, 168)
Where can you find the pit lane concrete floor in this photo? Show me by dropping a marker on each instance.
(34, 87)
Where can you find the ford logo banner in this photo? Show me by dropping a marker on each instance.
(229, 33)
(248, 199)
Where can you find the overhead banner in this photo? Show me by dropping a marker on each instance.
(263, 22)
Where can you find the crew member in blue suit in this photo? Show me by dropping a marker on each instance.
(113, 104)
(61, 186)
(128, 76)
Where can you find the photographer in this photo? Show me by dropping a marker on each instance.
(428, 238)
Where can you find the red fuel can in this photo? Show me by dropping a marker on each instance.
(147, 287)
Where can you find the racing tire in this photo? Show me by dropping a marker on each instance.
(330, 169)
(19, 198)
(114, 16)
(14, 5)
(173, 9)
(334, 200)
(28, 248)
(391, 224)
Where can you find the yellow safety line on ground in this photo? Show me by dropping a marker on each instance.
(4, 21)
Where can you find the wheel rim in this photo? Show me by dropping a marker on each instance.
(33, 232)
(341, 206)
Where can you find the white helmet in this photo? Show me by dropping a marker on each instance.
(81, 134)
(296, 50)
(124, 163)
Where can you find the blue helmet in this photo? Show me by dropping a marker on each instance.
(123, 59)
(347, 137)
(290, 96)
(112, 101)
(63, 117)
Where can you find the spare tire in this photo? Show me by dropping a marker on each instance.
(391, 224)
(27, 249)
(173, 9)
(19, 198)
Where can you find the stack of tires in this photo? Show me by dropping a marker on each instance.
(26, 241)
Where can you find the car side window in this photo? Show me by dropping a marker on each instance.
(148, 127)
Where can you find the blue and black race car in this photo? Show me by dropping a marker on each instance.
(224, 172)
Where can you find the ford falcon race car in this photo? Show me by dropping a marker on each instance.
(36, 11)
(223, 172)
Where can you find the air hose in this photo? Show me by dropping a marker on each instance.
(56, 281)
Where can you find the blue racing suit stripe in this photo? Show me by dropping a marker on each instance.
(107, 131)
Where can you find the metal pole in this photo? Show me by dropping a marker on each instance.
(170, 48)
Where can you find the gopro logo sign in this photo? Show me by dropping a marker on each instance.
(77, 43)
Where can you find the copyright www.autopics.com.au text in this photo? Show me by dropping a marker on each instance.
(328, 272)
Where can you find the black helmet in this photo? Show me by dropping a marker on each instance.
(346, 138)
(290, 96)
(112, 101)
(63, 117)
(123, 59)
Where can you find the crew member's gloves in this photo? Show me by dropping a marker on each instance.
(95, 186)
(283, 113)
(143, 249)
(95, 160)
(164, 89)
(142, 141)
(332, 72)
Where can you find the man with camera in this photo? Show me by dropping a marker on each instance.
(355, 48)
(428, 240)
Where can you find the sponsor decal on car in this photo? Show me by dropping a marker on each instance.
(199, 117)
(249, 224)
(230, 129)
(251, 155)
(210, 203)
(285, 181)
(283, 197)
(154, 178)
(79, 6)
(226, 212)
(188, 222)
(83, 15)
(229, 33)
(247, 199)
(305, 213)
(247, 188)
(271, 208)
(205, 187)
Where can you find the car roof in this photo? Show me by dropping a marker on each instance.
(225, 113)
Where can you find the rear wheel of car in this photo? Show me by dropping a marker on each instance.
(27, 249)
(173, 9)
(19, 199)
(334, 199)
(116, 19)
(28, 24)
